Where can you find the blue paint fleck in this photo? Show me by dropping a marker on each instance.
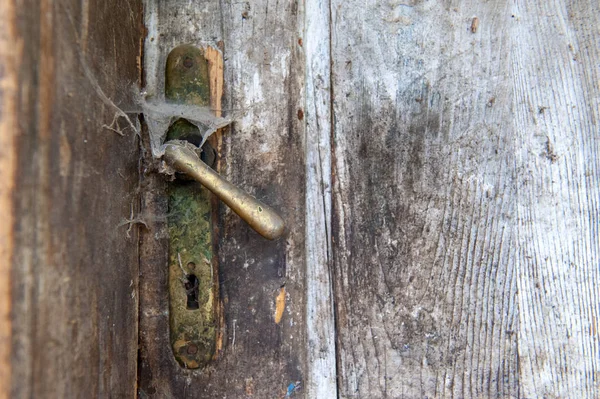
(293, 387)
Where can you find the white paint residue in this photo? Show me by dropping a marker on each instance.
(283, 65)
(256, 95)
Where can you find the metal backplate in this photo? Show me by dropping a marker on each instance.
(194, 303)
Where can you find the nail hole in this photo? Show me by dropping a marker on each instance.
(191, 290)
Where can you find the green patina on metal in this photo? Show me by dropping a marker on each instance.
(193, 283)
(192, 300)
(186, 79)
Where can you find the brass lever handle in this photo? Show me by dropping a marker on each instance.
(259, 216)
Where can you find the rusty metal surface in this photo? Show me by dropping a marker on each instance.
(193, 275)
(261, 217)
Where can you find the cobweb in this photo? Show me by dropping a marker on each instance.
(159, 116)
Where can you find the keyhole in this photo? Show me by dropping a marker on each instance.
(191, 290)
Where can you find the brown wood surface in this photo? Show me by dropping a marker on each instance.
(68, 182)
(10, 52)
(263, 349)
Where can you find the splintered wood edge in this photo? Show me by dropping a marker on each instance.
(10, 52)
(215, 79)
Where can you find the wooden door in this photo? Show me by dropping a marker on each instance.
(436, 163)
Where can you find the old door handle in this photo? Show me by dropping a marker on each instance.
(259, 216)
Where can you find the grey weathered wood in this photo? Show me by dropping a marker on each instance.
(556, 105)
(71, 181)
(321, 381)
(451, 155)
(424, 200)
(263, 152)
(466, 198)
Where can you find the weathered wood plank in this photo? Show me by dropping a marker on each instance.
(263, 152)
(450, 182)
(10, 53)
(320, 323)
(466, 198)
(557, 105)
(424, 200)
(73, 266)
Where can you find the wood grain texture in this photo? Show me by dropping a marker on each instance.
(450, 160)
(424, 200)
(74, 266)
(263, 152)
(556, 109)
(10, 52)
(466, 188)
(320, 323)
(215, 75)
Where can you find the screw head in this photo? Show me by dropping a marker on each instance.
(188, 62)
(192, 349)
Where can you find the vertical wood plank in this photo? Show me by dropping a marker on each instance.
(424, 200)
(462, 226)
(320, 323)
(74, 264)
(466, 198)
(556, 106)
(10, 51)
(263, 152)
